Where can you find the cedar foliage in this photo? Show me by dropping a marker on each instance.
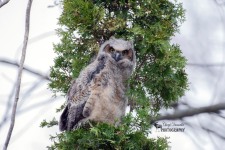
(159, 78)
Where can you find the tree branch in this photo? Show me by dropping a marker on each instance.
(2, 3)
(191, 112)
(8, 107)
(13, 116)
(206, 65)
(25, 68)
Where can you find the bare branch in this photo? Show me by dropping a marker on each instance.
(206, 65)
(25, 68)
(56, 3)
(192, 111)
(2, 3)
(9, 102)
(13, 116)
(8, 107)
(195, 137)
(30, 108)
(214, 133)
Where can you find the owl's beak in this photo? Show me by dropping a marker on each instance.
(117, 56)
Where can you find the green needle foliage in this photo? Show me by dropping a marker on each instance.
(106, 137)
(159, 78)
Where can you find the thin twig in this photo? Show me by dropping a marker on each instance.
(32, 107)
(214, 133)
(191, 112)
(29, 92)
(8, 107)
(25, 68)
(2, 3)
(9, 102)
(13, 116)
(206, 65)
(194, 135)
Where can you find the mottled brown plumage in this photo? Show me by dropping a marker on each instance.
(98, 94)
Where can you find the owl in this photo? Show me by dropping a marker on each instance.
(99, 92)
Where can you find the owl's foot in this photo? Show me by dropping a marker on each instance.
(85, 124)
(88, 108)
(86, 112)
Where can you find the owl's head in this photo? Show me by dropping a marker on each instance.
(121, 51)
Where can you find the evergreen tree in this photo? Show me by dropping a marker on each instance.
(159, 78)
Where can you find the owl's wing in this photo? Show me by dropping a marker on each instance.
(78, 94)
(71, 116)
(72, 113)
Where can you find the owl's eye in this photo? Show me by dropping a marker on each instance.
(111, 49)
(125, 52)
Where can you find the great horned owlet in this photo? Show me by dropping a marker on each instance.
(99, 93)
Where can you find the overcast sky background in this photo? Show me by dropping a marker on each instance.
(201, 38)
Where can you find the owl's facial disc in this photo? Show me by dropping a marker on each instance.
(128, 54)
(118, 55)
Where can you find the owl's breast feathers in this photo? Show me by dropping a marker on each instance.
(78, 94)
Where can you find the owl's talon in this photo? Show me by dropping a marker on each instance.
(86, 112)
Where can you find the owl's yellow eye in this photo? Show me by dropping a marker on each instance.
(111, 49)
(125, 52)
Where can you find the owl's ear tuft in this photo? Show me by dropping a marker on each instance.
(63, 119)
